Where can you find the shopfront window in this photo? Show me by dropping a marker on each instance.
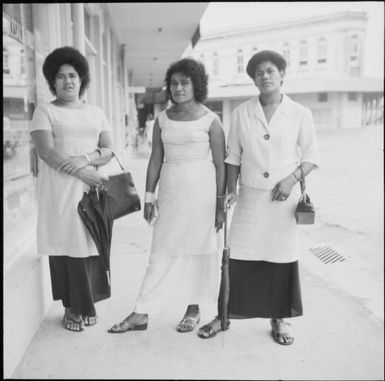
(19, 100)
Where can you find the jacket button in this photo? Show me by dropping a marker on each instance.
(266, 174)
(267, 137)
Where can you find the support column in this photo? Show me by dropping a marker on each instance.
(78, 27)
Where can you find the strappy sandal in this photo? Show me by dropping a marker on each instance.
(68, 322)
(210, 331)
(282, 336)
(188, 321)
(126, 326)
(90, 320)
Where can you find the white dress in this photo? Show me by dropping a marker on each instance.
(60, 230)
(183, 264)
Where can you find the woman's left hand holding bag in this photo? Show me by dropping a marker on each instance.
(282, 189)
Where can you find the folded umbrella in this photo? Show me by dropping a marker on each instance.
(95, 209)
(224, 289)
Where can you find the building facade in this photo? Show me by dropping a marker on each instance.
(325, 57)
(99, 31)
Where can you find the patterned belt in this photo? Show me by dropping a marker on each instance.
(183, 161)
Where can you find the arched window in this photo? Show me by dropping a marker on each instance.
(286, 53)
(5, 61)
(240, 61)
(303, 53)
(322, 51)
(215, 64)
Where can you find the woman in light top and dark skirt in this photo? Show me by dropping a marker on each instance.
(271, 142)
(71, 137)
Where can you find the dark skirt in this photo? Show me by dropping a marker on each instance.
(79, 283)
(264, 289)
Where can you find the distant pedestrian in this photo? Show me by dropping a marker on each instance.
(71, 137)
(183, 263)
(271, 142)
(149, 129)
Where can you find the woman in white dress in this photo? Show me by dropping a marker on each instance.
(183, 264)
(271, 142)
(71, 137)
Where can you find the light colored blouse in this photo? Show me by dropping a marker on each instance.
(60, 230)
(269, 152)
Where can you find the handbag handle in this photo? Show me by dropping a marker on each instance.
(117, 159)
(302, 184)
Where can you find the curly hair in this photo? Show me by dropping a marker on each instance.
(193, 69)
(263, 56)
(66, 55)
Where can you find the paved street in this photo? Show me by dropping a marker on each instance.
(340, 336)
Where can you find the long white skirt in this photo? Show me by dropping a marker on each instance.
(178, 281)
(264, 230)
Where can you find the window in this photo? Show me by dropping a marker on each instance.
(215, 64)
(286, 52)
(353, 96)
(354, 49)
(303, 53)
(322, 97)
(240, 61)
(322, 51)
(5, 61)
(22, 62)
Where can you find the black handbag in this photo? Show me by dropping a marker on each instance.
(121, 189)
(304, 213)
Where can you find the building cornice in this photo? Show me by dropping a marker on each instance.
(284, 24)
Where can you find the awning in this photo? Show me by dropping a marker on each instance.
(155, 35)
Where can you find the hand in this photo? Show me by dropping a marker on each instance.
(73, 164)
(219, 218)
(230, 199)
(148, 211)
(282, 190)
(92, 178)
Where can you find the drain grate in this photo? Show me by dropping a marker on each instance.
(327, 255)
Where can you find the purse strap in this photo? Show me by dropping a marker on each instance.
(302, 184)
(118, 160)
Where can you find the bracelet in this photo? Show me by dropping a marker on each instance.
(149, 197)
(295, 176)
(87, 158)
(223, 196)
(100, 151)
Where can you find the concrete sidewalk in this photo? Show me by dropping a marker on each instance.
(336, 339)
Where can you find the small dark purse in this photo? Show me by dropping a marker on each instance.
(304, 213)
(121, 189)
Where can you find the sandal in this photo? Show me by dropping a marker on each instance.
(126, 326)
(207, 331)
(190, 322)
(90, 320)
(72, 324)
(280, 334)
